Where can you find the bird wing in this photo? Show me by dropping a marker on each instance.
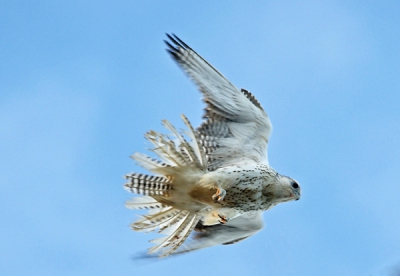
(236, 230)
(236, 127)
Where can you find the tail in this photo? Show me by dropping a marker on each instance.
(175, 223)
(181, 160)
(175, 157)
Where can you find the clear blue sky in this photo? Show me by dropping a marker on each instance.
(81, 81)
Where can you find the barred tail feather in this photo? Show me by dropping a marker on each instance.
(147, 184)
(176, 224)
(159, 216)
(182, 154)
(165, 148)
(197, 150)
(150, 222)
(169, 244)
(148, 163)
(193, 155)
(144, 202)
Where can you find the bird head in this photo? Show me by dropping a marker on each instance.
(288, 189)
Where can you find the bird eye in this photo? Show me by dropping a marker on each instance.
(295, 185)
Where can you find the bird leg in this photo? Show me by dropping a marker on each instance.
(219, 195)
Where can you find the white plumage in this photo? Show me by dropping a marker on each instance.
(218, 182)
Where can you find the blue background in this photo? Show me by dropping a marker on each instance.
(81, 81)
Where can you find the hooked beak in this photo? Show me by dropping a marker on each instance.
(296, 195)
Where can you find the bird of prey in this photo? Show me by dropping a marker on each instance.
(212, 183)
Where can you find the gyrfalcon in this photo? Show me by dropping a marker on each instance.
(216, 179)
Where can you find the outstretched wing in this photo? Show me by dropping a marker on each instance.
(236, 127)
(236, 230)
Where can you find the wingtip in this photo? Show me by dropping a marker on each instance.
(169, 36)
(177, 41)
(181, 42)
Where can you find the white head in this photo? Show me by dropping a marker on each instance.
(283, 190)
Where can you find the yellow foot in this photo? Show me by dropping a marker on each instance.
(219, 195)
(223, 219)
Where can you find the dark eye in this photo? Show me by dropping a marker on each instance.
(295, 185)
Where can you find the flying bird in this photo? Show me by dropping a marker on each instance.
(212, 183)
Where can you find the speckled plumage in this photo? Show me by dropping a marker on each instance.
(218, 182)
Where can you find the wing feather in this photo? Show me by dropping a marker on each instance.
(236, 127)
(238, 229)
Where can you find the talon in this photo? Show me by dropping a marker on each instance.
(224, 219)
(219, 195)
